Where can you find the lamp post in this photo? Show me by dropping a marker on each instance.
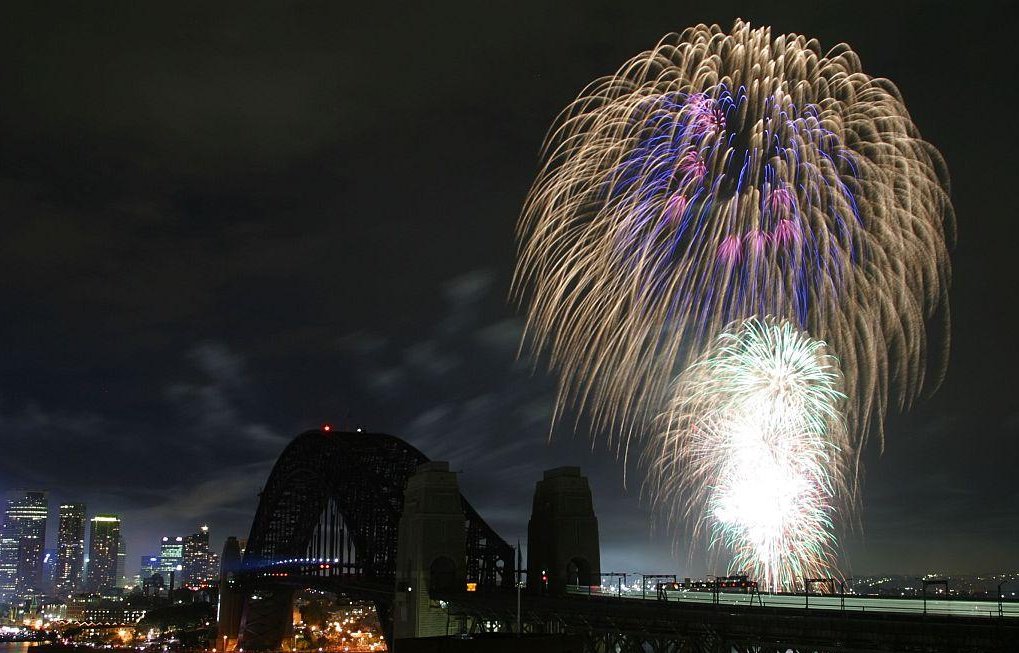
(224, 643)
(169, 593)
(519, 587)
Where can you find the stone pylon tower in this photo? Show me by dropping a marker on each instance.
(230, 598)
(562, 535)
(431, 551)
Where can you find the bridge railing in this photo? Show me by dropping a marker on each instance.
(820, 602)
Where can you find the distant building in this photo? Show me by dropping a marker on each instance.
(103, 547)
(49, 570)
(185, 559)
(22, 538)
(213, 566)
(147, 565)
(153, 585)
(70, 548)
(196, 558)
(150, 576)
(171, 551)
(103, 610)
(171, 559)
(8, 557)
(122, 563)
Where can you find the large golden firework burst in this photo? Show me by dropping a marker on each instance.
(721, 176)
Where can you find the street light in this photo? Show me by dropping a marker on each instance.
(519, 587)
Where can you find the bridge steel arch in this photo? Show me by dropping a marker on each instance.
(328, 518)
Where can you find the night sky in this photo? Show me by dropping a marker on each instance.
(223, 227)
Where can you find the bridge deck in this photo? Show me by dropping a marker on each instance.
(740, 625)
(851, 602)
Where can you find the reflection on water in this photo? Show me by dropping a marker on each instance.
(16, 647)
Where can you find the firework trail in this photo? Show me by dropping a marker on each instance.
(722, 176)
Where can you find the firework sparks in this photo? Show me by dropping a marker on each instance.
(752, 449)
(722, 176)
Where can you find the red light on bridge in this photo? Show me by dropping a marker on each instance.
(327, 427)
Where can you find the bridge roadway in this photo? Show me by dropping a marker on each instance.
(622, 623)
(851, 602)
(319, 574)
(690, 620)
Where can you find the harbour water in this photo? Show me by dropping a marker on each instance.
(17, 647)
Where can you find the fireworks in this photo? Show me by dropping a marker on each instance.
(752, 448)
(723, 176)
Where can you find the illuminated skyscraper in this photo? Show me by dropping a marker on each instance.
(70, 547)
(196, 557)
(171, 553)
(169, 563)
(22, 538)
(213, 570)
(8, 557)
(103, 547)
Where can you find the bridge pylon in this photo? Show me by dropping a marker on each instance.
(562, 534)
(231, 600)
(431, 551)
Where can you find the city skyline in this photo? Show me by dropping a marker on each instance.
(157, 558)
(27, 568)
(211, 249)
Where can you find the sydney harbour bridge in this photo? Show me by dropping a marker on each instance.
(369, 517)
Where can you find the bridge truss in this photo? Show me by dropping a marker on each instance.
(328, 518)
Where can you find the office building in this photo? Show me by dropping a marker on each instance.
(22, 538)
(168, 564)
(171, 555)
(101, 609)
(103, 547)
(70, 548)
(8, 556)
(196, 558)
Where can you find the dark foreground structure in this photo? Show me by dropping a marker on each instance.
(328, 518)
(368, 516)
